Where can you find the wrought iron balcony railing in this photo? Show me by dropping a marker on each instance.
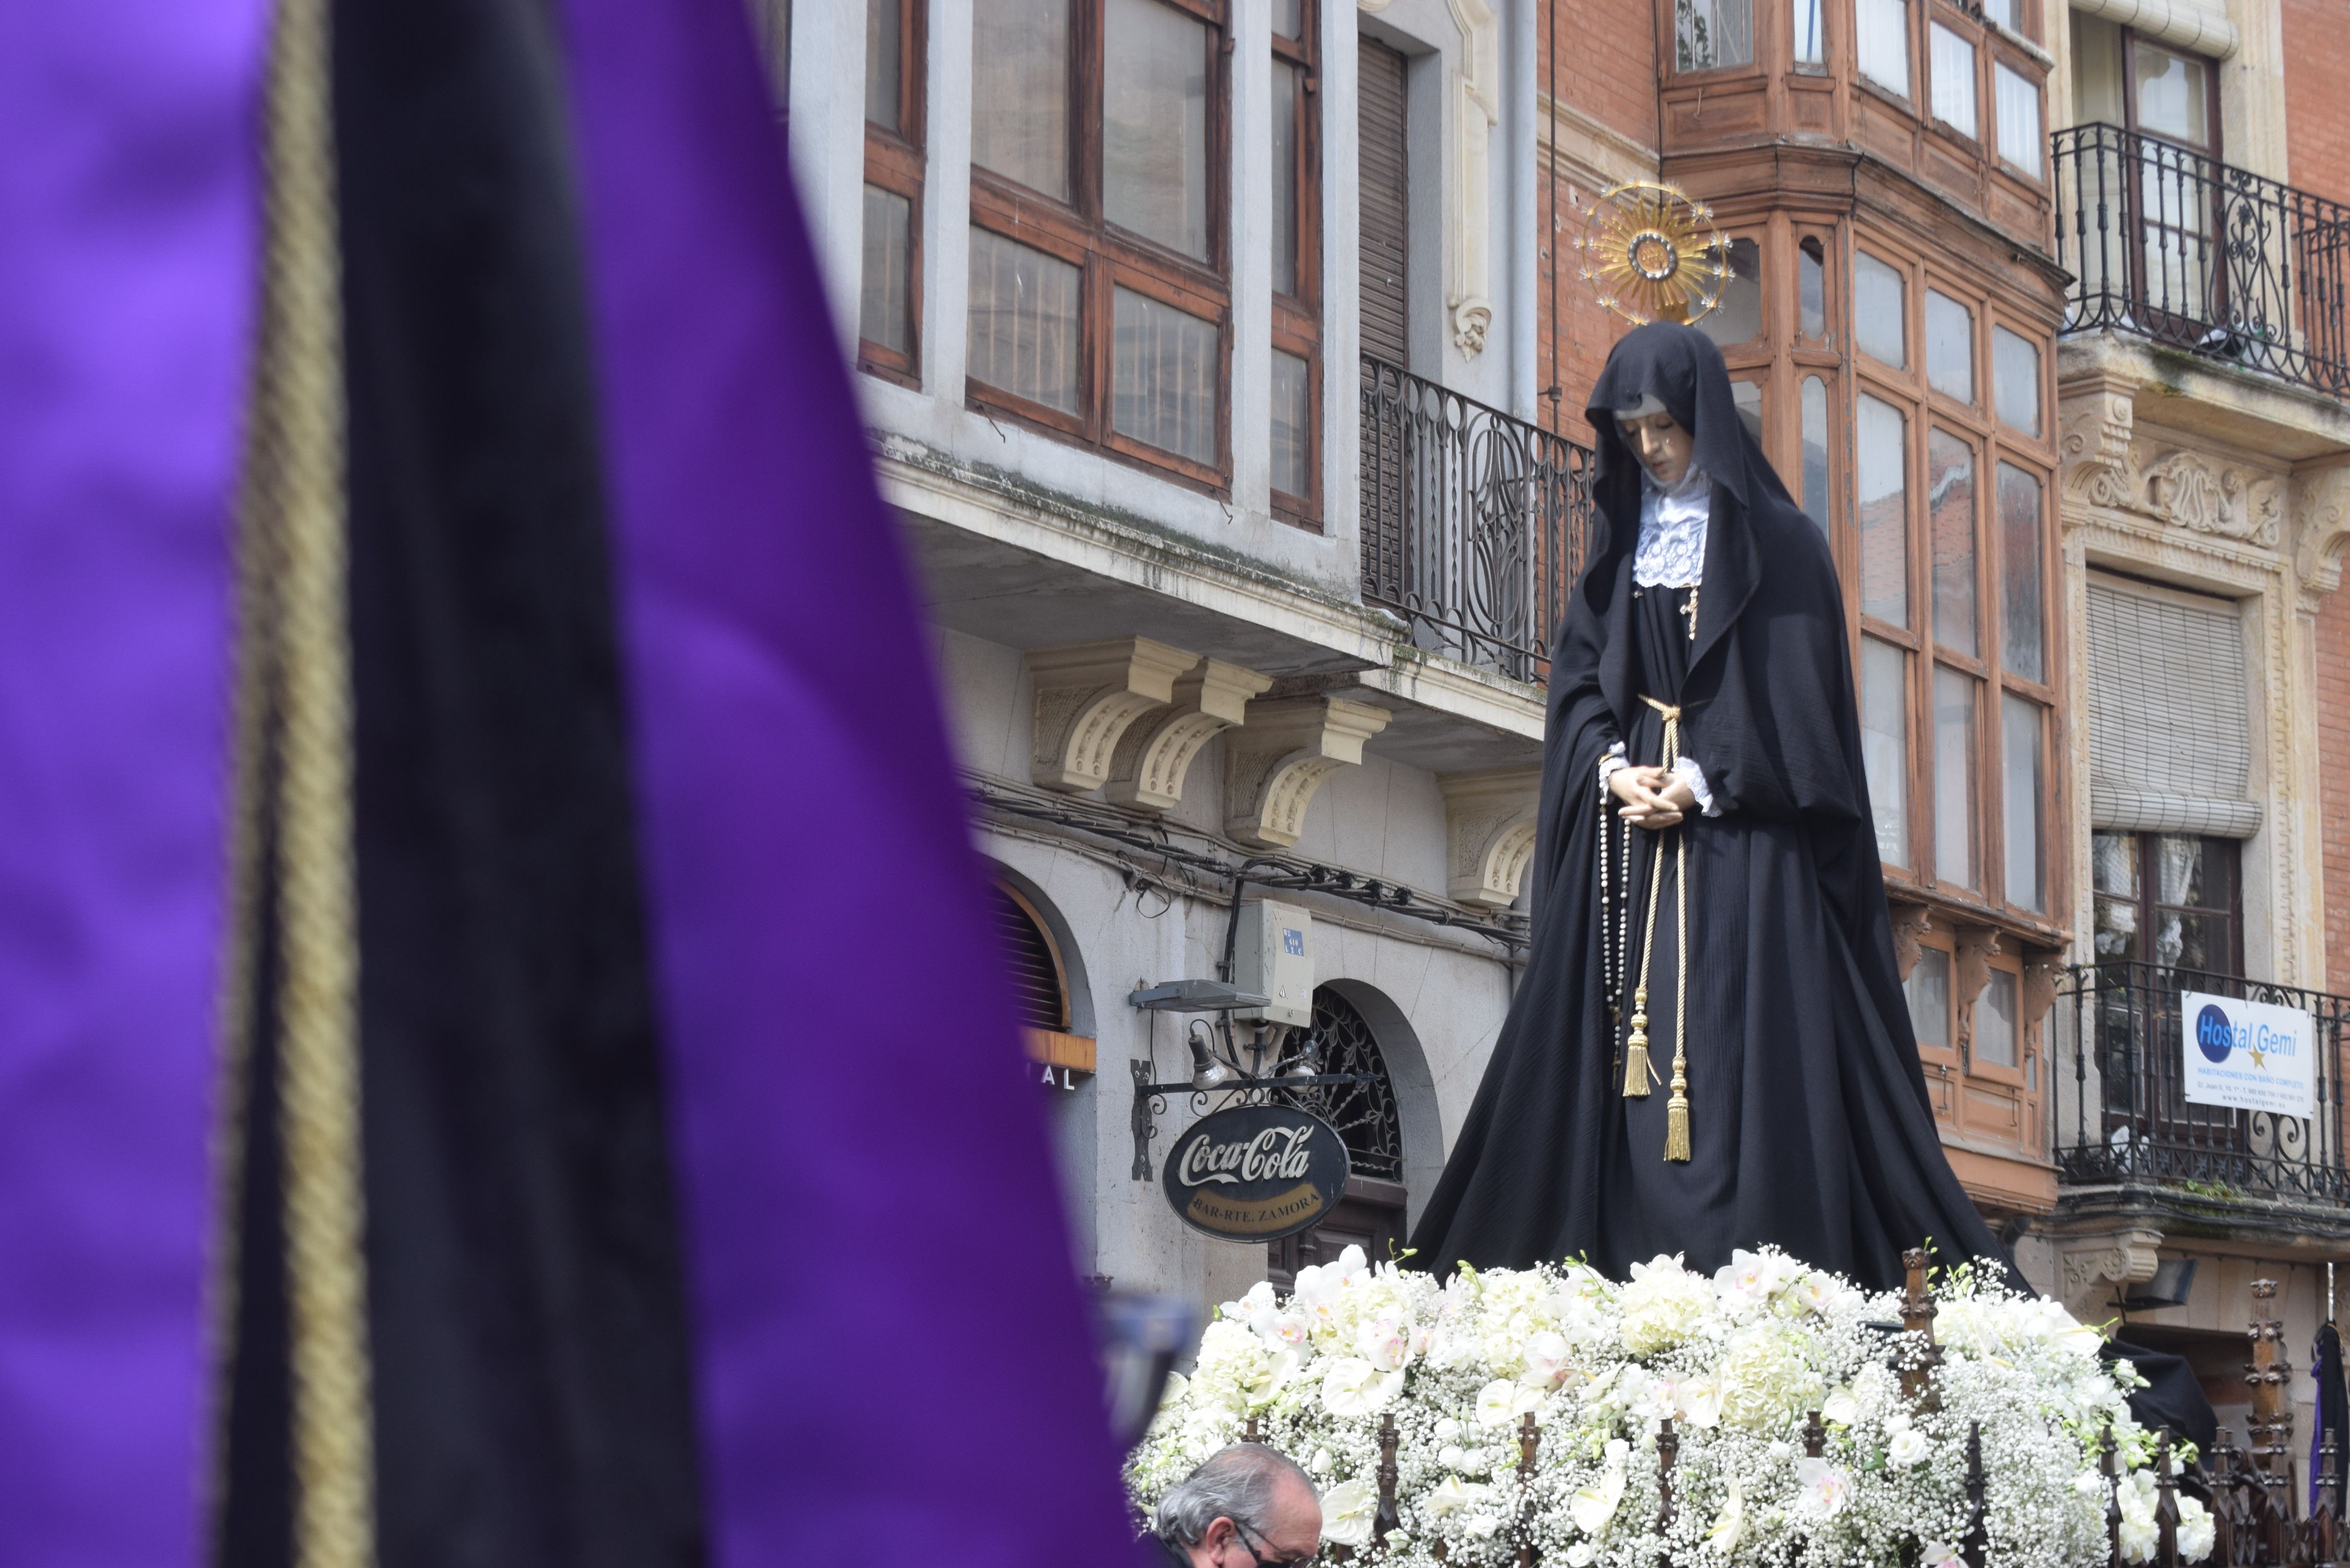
(2171, 245)
(1474, 523)
(2119, 1058)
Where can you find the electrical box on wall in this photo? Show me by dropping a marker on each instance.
(1273, 957)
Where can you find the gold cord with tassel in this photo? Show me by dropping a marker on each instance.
(1639, 1075)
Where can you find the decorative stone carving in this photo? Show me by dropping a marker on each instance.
(2321, 523)
(1279, 757)
(2189, 490)
(2039, 979)
(1086, 696)
(2089, 1266)
(1156, 752)
(1910, 922)
(2096, 444)
(1489, 833)
(1977, 946)
(1476, 110)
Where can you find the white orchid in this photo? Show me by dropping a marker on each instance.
(1729, 1524)
(1595, 1504)
(1824, 1488)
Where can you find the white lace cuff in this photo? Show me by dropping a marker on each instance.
(1608, 764)
(1687, 770)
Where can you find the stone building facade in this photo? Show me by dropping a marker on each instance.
(1225, 359)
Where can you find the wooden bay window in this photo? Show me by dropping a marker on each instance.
(1100, 304)
(889, 312)
(1294, 119)
(1954, 550)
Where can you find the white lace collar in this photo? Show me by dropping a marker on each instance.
(1671, 551)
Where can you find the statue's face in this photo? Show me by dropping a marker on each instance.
(1661, 444)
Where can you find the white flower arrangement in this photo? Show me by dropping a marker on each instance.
(1736, 1363)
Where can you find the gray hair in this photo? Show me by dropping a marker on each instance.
(1236, 1484)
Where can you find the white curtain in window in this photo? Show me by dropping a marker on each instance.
(2169, 741)
(1883, 43)
(1954, 80)
(2018, 106)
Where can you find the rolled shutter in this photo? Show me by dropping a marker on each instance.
(1385, 201)
(2169, 736)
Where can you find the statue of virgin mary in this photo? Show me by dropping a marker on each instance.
(1710, 1048)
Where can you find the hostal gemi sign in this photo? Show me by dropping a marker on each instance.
(1256, 1173)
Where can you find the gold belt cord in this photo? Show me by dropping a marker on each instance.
(1639, 1075)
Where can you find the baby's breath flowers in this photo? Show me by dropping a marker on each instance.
(1736, 1361)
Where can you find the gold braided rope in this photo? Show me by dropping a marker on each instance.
(1639, 1075)
(296, 527)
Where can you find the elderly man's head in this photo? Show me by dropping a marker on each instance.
(1248, 1507)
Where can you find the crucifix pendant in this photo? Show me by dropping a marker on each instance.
(1690, 609)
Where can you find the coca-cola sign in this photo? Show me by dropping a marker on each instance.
(1256, 1173)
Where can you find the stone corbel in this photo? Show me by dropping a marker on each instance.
(1489, 833)
(1476, 110)
(2096, 444)
(1279, 757)
(1086, 694)
(1911, 923)
(2321, 522)
(1147, 768)
(1977, 946)
(2090, 1267)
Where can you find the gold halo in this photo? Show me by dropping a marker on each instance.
(1650, 253)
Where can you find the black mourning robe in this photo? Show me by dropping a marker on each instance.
(1809, 1120)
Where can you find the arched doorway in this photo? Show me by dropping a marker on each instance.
(1371, 1215)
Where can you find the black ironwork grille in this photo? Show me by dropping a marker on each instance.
(1364, 1113)
(1474, 523)
(2169, 245)
(2122, 1113)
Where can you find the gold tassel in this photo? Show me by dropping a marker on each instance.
(1636, 1071)
(1676, 1134)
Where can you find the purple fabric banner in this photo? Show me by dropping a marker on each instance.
(127, 249)
(894, 1363)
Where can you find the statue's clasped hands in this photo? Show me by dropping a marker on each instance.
(1653, 798)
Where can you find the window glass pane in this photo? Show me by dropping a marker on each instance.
(1950, 512)
(1163, 376)
(2174, 94)
(1155, 123)
(1811, 44)
(1747, 397)
(882, 316)
(1815, 451)
(1288, 19)
(2008, 14)
(1020, 91)
(1954, 80)
(1995, 1010)
(1292, 437)
(1883, 37)
(1954, 777)
(2019, 732)
(1885, 744)
(2178, 870)
(1023, 321)
(1881, 437)
(2097, 70)
(2017, 101)
(884, 48)
(2113, 863)
(1949, 347)
(1739, 317)
(1284, 178)
(1928, 986)
(2015, 380)
(1712, 33)
(1879, 310)
(2021, 618)
(1811, 267)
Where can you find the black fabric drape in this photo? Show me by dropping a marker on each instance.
(531, 1394)
(1801, 1060)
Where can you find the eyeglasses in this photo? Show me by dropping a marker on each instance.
(1260, 1558)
